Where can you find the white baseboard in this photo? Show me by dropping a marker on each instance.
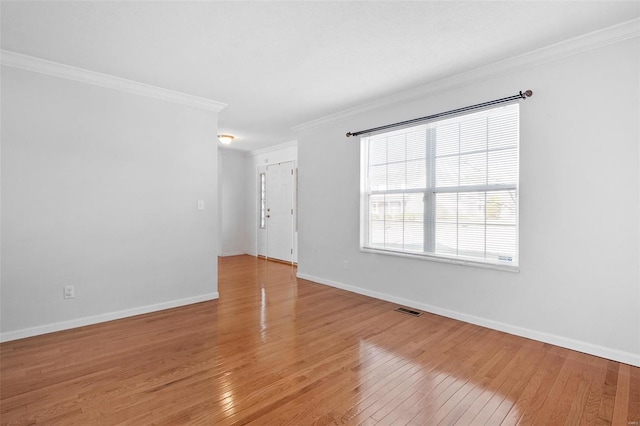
(565, 342)
(110, 316)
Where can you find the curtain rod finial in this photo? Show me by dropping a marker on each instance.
(527, 93)
(349, 134)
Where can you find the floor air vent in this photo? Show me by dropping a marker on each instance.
(408, 311)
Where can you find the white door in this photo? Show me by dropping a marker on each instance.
(280, 211)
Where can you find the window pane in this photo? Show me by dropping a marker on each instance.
(503, 130)
(501, 207)
(447, 139)
(396, 176)
(393, 205)
(396, 148)
(378, 178)
(376, 233)
(473, 135)
(501, 243)
(377, 151)
(413, 236)
(447, 171)
(417, 145)
(471, 207)
(413, 222)
(263, 200)
(473, 169)
(393, 234)
(376, 207)
(471, 240)
(446, 239)
(413, 208)
(503, 167)
(447, 208)
(416, 174)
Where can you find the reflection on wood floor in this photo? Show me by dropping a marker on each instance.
(279, 350)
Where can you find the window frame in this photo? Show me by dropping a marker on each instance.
(429, 193)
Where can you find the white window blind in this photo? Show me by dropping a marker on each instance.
(446, 189)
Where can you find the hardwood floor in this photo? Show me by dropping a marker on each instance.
(279, 350)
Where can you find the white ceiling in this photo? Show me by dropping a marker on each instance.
(279, 64)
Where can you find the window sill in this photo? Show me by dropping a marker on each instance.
(499, 267)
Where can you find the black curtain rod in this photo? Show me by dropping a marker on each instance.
(522, 95)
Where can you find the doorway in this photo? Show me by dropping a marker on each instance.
(279, 196)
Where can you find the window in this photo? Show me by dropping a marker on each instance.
(263, 200)
(446, 189)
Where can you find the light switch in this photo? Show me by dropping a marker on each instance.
(200, 204)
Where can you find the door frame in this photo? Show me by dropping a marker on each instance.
(262, 234)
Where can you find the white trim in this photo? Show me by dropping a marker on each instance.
(290, 144)
(43, 66)
(563, 49)
(443, 259)
(565, 342)
(96, 319)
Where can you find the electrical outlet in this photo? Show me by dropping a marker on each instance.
(69, 292)
(346, 264)
(200, 204)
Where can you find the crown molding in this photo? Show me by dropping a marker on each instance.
(285, 145)
(55, 69)
(563, 49)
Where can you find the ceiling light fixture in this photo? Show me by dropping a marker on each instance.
(226, 139)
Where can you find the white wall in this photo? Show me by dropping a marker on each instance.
(258, 160)
(99, 191)
(233, 181)
(579, 279)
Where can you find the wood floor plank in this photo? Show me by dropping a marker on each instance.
(633, 417)
(573, 392)
(607, 402)
(577, 403)
(276, 350)
(621, 407)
